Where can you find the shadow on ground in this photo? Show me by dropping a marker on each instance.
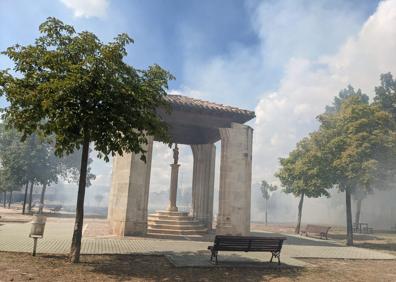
(145, 267)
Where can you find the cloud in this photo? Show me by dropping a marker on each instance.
(283, 30)
(291, 28)
(87, 8)
(288, 114)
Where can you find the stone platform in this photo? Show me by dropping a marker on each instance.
(174, 223)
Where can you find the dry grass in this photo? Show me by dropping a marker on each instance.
(24, 267)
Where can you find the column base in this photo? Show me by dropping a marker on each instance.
(172, 209)
(129, 228)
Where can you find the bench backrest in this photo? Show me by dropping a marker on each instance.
(317, 228)
(241, 243)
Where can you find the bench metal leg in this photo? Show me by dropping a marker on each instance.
(323, 235)
(275, 255)
(213, 257)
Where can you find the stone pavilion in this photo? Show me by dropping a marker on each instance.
(199, 124)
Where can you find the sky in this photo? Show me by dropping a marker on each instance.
(284, 59)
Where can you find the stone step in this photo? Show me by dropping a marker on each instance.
(170, 217)
(172, 213)
(152, 230)
(176, 227)
(176, 236)
(172, 221)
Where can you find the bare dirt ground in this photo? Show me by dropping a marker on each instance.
(24, 267)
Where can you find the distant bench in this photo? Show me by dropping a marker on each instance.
(55, 209)
(316, 229)
(362, 228)
(247, 244)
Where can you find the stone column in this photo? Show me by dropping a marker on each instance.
(128, 200)
(173, 187)
(235, 180)
(203, 183)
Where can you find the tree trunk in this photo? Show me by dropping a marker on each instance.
(25, 197)
(4, 199)
(78, 225)
(349, 217)
(266, 212)
(10, 199)
(30, 197)
(357, 214)
(42, 199)
(300, 206)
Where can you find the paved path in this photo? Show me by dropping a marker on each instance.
(57, 238)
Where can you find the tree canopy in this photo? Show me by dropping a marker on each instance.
(76, 88)
(353, 137)
(266, 189)
(79, 90)
(385, 94)
(304, 170)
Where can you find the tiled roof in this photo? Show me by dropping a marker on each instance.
(188, 103)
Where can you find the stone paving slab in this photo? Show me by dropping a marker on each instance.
(57, 239)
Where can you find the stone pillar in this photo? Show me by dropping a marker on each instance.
(128, 200)
(203, 183)
(235, 180)
(173, 187)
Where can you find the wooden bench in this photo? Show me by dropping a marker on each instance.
(362, 228)
(246, 244)
(317, 229)
(55, 208)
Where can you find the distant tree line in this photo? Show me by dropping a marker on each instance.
(32, 161)
(354, 151)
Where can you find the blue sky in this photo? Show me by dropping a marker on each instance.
(285, 59)
(187, 36)
(162, 30)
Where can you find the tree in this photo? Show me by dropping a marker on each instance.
(266, 190)
(385, 94)
(343, 95)
(359, 195)
(3, 188)
(304, 173)
(385, 99)
(98, 198)
(352, 138)
(46, 169)
(28, 161)
(69, 168)
(79, 90)
(13, 162)
(33, 161)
